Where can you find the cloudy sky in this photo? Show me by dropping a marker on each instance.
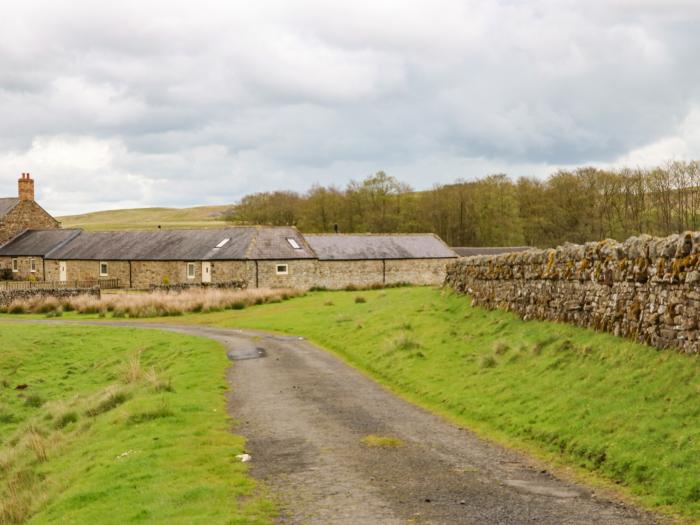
(125, 104)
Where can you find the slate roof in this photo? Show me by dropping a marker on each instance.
(468, 251)
(345, 247)
(37, 243)
(273, 243)
(6, 205)
(163, 245)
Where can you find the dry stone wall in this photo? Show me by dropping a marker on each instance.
(646, 288)
(7, 296)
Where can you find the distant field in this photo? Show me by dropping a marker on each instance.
(149, 218)
(114, 426)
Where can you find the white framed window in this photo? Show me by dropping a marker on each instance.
(104, 269)
(15, 265)
(190, 270)
(293, 243)
(282, 269)
(32, 264)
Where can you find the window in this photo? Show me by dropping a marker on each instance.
(15, 265)
(222, 243)
(104, 269)
(293, 243)
(282, 269)
(32, 265)
(190, 270)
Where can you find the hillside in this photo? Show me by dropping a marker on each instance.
(147, 218)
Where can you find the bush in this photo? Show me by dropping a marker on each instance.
(360, 299)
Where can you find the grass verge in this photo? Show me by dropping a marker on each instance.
(115, 425)
(624, 411)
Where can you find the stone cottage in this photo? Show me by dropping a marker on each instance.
(367, 259)
(259, 256)
(22, 212)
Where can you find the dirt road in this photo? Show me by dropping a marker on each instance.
(305, 414)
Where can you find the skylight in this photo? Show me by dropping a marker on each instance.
(293, 243)
(223, 243)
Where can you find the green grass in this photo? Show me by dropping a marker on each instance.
(118, 426)
(149, 218)
(624, 411)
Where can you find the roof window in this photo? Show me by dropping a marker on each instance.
(223, 243)
(293, 243)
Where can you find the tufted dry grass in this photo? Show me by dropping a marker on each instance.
(154, 304)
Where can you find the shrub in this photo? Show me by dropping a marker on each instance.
(359, 299)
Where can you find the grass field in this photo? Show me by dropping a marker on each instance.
(114, 426)
(149, 218)
(624, 411)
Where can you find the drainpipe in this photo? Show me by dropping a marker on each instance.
(257, 283)
(129, 274)
(384, 272)
(43, 267)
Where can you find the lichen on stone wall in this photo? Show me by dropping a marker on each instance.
(644, 288)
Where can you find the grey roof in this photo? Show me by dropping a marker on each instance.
(273, 243)
(184, 245)
(6, 205)
(375, 246)
(468, 251)
(37, 242)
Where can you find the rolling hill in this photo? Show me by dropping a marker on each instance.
(149, 218)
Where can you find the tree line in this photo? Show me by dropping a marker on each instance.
(569, 206)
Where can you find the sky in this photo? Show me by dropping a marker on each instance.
(130, 104)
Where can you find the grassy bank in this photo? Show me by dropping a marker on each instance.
(110, 425)
(624, 411)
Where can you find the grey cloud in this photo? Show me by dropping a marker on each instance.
(180, 103)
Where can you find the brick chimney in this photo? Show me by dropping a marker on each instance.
(26, 187)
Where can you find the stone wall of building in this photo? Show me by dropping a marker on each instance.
(416, 271)
(27, 214)
(646, 288)
(24, 268)
(301, 273)
(88, 271)
(339, 274)
(228, 271)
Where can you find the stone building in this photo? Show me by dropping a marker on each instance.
(22, 212)
(367, 259)
(35, 248)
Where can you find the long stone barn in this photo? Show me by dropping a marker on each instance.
(260, 256)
